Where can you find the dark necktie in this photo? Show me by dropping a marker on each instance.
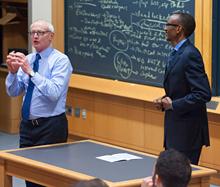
(171, 57)
(28, 96)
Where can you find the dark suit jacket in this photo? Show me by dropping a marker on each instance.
(186, 83)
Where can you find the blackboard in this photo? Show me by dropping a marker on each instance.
(120, 39)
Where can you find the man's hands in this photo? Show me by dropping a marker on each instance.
(147, 182)
(15, 60)
(158, 103)
(12, 62)
(163, 103)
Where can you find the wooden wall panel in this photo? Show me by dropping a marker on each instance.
(58, 23)
(15, 36)
(119, 120)
(210, 155)
(10, 107)
(207, 37)
(153, 131)
(15, 33)
(203, 36)
(82, 101)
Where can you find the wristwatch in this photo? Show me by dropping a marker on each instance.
(32, 73)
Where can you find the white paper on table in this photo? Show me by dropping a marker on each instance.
(118, 157)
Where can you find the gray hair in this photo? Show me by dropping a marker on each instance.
(47, 23)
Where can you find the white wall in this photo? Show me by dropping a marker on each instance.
(39, 9)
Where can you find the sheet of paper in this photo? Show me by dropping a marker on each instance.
(118, 157)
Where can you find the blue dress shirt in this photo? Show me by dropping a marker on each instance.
(179, 44)
(51, 83)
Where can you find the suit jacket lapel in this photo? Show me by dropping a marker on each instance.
(175, 59)
(172, 64)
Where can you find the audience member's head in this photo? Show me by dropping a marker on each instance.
(91, 183)
(172, 169)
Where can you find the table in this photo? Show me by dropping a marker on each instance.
(64, 164)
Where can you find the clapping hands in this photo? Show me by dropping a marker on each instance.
(15, 60)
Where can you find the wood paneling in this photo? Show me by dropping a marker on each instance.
(58, 23)
(119, 120)
(207, 37)
(203, 33)
(15, 33)
(116, 120)
(210, 155)
(81, 101)
(153, 131)
(10, 108)
(116, 88)
(14, 36)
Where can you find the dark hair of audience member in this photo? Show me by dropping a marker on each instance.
(91, 183)
(173, 168)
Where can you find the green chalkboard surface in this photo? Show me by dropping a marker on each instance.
(120, 39)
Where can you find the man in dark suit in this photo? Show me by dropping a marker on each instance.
(187, 91)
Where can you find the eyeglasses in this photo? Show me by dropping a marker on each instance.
(39, 33)
(171, 25)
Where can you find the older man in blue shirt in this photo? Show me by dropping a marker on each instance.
(43, 78)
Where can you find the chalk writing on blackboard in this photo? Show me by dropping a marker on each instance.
(120, 39)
